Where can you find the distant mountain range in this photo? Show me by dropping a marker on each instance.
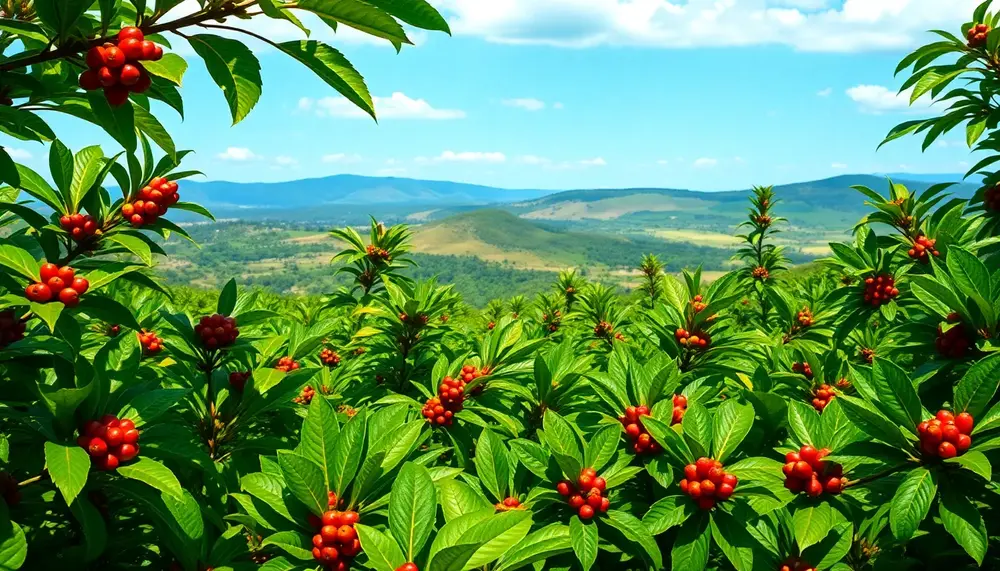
(350, 199)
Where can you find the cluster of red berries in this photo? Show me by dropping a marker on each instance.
(415, 320)
(806, 471)
(763, 220)
(760, 273)
(440, 410)
(217, 331)
(603, 329)
(151, 344)
(329, 357)
(11, 328)
(642, 441)
(977, 35)
(9, 490)
(57, 283)
(707, 482)
(153, 201)
(991, 199)
(868, 355)
(795, 564)
(954, 343)
(697, 340)
(946, 435)
(79, 226)
(109, 441)
(238, 380)
(880, 290)
(377, 254)
(552, 321)
(803, 369)
(823, 395)
(306, 396)
(337, 541)
(923, 248)
(116, 67)
(587, 497)
(510, 503)
(286, 365)
(805, 317)
(698, 304)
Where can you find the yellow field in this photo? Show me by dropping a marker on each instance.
(716, 239)
(446, 241)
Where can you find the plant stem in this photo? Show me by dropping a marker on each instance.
(877, 476)
(32, 480)
(77, 46)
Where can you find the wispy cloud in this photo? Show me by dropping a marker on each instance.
(526, 103)
(18, 154)
(238, 154)
(396, 106)
(838, 166)
(465, 157)
(825, 92)
(878, 99)
(705, 162)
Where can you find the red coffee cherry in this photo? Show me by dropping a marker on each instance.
(946, 435)
(707, 483)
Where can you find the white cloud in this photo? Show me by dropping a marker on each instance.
(663, 162)
(342, 158)
(838, 166)
(534, 160)
(18, 154)
(877, 99)
(704, 163)
(526, 103)
(465, 157)
(396, 106)
(239, 154)
(286, 161)
(808, 25)
(825, 92)
(557, 105)
(594, 162)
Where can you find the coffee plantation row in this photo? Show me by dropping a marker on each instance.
(841, 419)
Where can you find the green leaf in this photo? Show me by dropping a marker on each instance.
(697, 427)
(235, 70)
(37, 187)
(690, 551)
(63, 402)
(834, 546)
(319, 436)
(382, 551)
(13, 546)
(977, 387)
(170, 67)
(412, 508)
(148, 406)
(8, 170)
(804, 423)
(292, 543)
(133, 244)
(458, 498)
(61, 15)
(975, 462)
(732, 424)
(896, 394)
(732, 537)
(19, 261)
(87, 166)
(48, 312)
(668, 512)
(563, 443)
(227, 299)
(492, 464)
(95, 533)
(332, 67)
(872, 422)
(61, 166)
(634, 531)
(305, 480)
(584, 539)
(152, 473)
(963, 521)
(150, 126)
(347, 453)
(972, 278)
(360, 16)
(68, 467)
(417, 13)
(912, 502)
(812, 523)
(119, 122)
(106, 308)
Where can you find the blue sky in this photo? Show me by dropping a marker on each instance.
(702, 94)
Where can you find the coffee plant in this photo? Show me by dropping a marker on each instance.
(844, 417)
